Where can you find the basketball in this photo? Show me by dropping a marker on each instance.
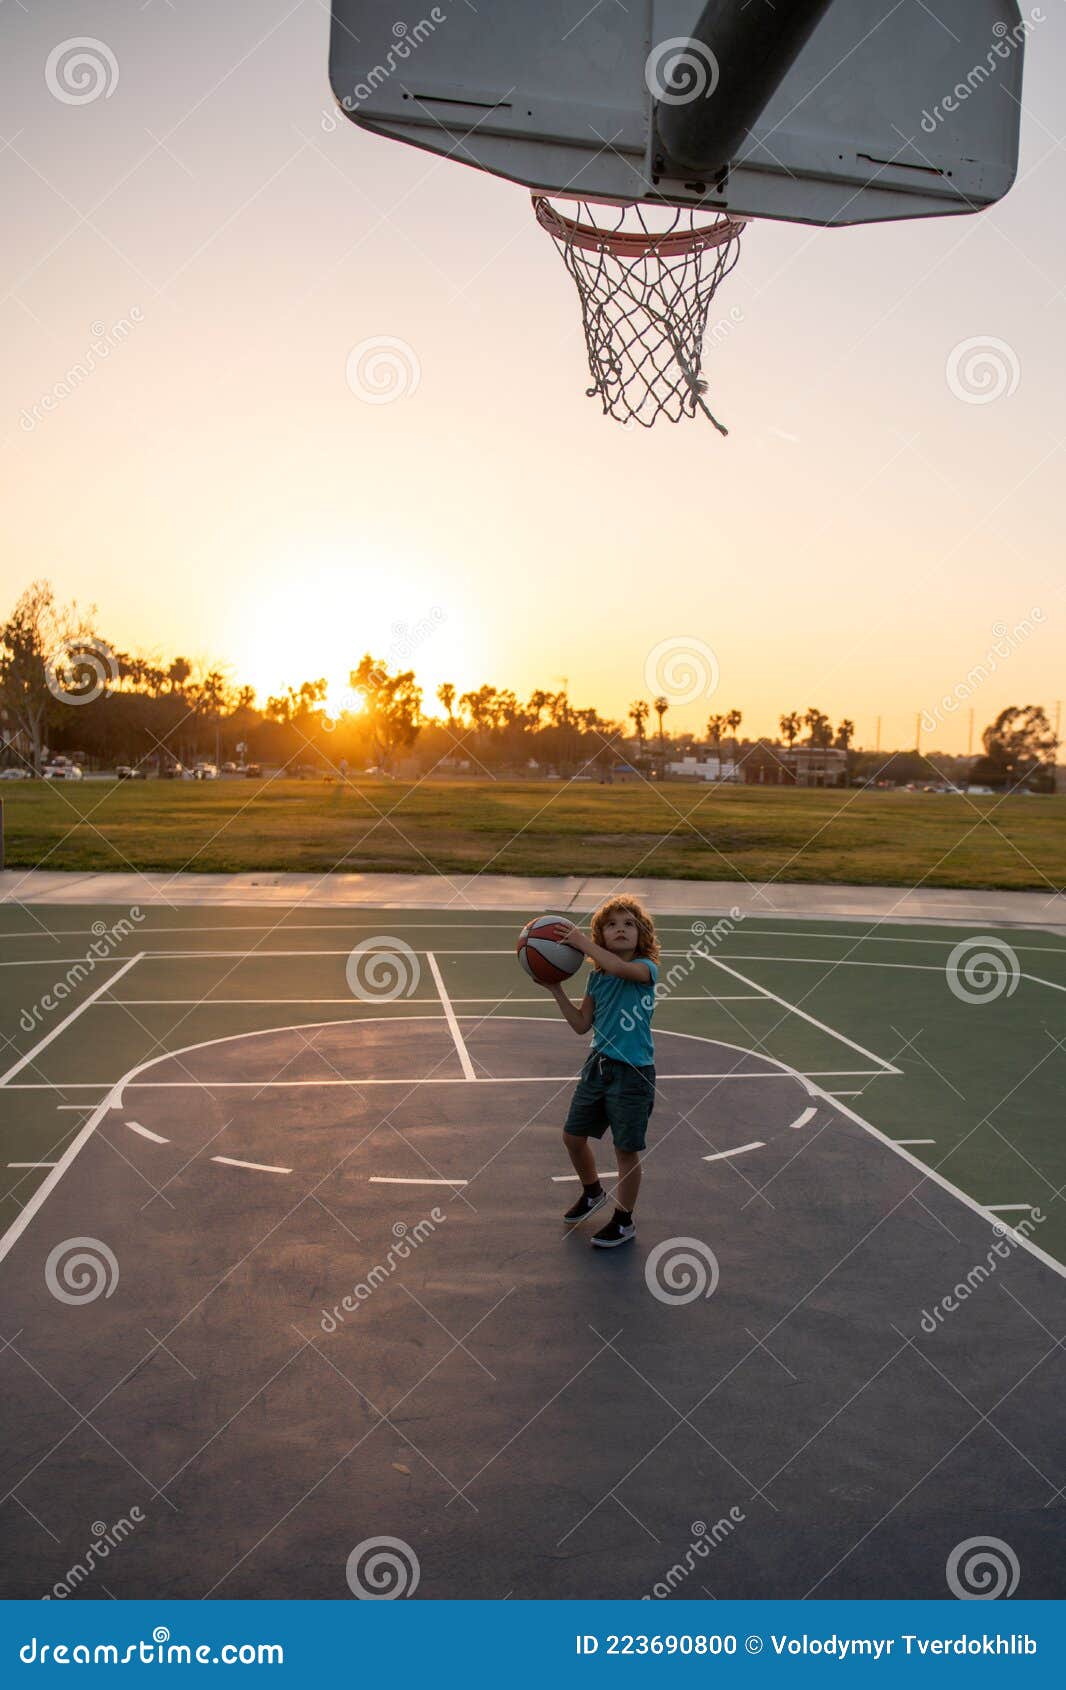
(542, 956)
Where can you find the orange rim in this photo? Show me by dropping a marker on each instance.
(633, 243)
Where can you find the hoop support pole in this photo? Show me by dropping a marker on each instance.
(753, 48)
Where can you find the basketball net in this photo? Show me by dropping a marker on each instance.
(645, 297)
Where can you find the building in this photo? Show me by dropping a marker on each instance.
(705, 768)
(802, 765)
(816, 765)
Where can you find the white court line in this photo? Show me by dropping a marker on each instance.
(802, 1120)
(1009, 1208)
(31, 1164)
(240, 1003)
(145, 1132)
(938, 1178)
(114, 1097)
(914, 1141)
(793, 1009)
(380, 1179)
(61, 1026)
(449, 1015)
(256, 1167)
(672, 923)
(80, 1107)
(741, 1150)
(51, 1180)
(845, 1094)
(438, 1080)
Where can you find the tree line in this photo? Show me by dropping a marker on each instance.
(64, 689)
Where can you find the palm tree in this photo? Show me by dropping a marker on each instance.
(661, 706)
(446, 694)
(845, 734)
(732, 722)
(790, 726)
(715, 726)
(638, 715)
(819, 727)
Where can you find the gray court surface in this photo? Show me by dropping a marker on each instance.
(745, 1402)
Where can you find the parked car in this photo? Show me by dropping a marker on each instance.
(253, 771)
(62, 771)
(172, 770)
(229, 768)
(15, 774)
(131, 771)
(202, 771)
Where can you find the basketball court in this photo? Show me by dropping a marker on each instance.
(286, 1271)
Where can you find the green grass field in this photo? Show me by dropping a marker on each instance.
(670, 831)
(973, 1089)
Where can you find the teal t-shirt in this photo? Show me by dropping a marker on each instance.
(623, 1010)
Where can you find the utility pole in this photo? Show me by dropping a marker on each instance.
(918, 731)
(877, 747)
(969, 741)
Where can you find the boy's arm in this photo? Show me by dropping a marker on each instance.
(639, 971)
(612, 964)
(579, 1015)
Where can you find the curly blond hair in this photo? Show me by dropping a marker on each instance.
(647, 943)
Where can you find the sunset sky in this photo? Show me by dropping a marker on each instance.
(216, 488)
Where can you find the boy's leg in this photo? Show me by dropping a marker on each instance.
(581, 1158)
(628, 1179)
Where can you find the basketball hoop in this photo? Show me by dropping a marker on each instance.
(645, 297)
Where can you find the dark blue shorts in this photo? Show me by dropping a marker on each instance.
(616, 1095)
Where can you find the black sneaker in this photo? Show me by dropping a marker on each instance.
(614, 1233)
(586, 1204)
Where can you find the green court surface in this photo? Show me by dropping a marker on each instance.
(950, 1042)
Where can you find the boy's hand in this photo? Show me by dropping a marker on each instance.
(567, 934)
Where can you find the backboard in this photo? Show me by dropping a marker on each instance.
(890, 110)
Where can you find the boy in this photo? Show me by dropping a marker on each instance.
(617, 1084)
